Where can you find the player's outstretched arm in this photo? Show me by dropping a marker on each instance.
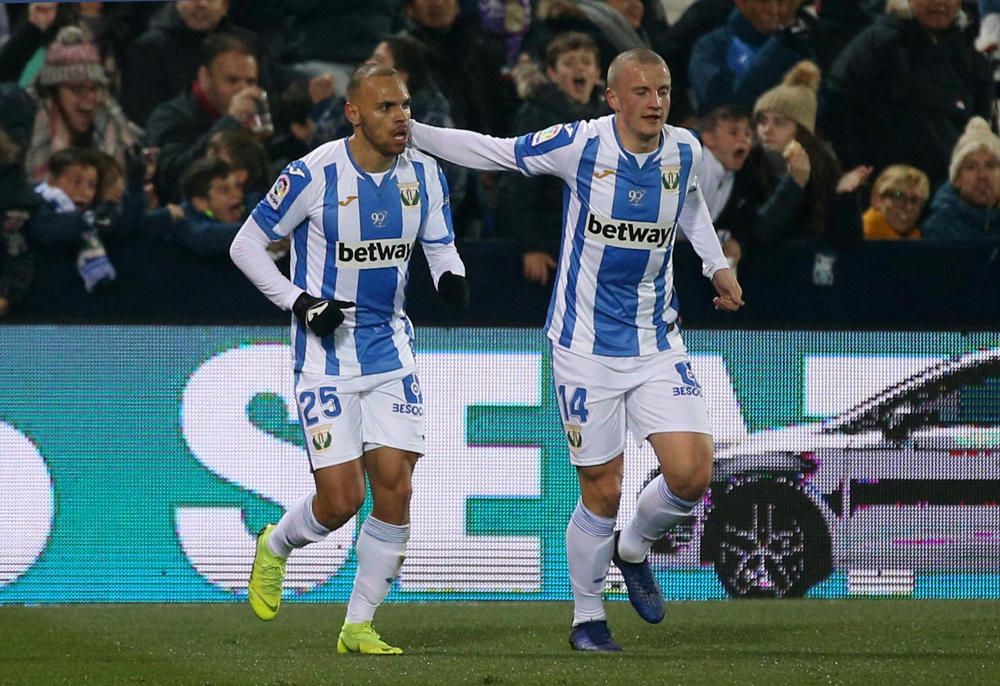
(467, 148)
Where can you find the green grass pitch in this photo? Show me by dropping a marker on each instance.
(870, 642)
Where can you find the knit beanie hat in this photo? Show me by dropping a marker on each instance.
(977, 136)
(795, 98)
(71, 58)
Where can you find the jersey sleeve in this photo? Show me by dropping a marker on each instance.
(437, 233)
(696, 221)
(286, 205)
(549, 151)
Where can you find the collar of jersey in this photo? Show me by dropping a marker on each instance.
(634, 163)
(357, 167)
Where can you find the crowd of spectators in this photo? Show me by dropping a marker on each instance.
(830, 122)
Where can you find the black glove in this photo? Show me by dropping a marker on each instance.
(454, 290)
(320, 316)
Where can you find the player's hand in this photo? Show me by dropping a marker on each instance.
(730, 296)
(454, 290)
(320, 316)
(537, 267)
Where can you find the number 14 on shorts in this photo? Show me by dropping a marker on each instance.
(573, 405)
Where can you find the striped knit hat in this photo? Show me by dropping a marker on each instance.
(71, 58)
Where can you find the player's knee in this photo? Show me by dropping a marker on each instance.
(602, 497)
(336, 508)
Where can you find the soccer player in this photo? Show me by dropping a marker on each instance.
(353, 208)
(618, 359)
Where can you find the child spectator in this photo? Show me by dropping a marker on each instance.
(965, 208)
(529, 209)
(898, 198)
(67, 215)
(751, 193)
(212, 210)
(247, 160)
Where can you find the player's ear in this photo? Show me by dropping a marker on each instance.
(611, 99)
(352, 114)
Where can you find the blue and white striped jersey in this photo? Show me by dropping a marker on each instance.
(613, 292)
(352, 235)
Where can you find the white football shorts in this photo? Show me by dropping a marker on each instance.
(343, 418)
(601, 397)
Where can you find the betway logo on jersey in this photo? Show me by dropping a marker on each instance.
(389, 252)
(628, 233)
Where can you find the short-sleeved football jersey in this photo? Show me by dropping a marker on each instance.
(613, 293)
(351, 239)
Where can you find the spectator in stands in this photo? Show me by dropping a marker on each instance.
(735, 63)
(898, 198)
(223, 97)
(785, 120)
(17, 202)
(120, 201)
(213, 209)
(165, 59)
(529, 209)
(247, 160)
(904, 88)
(67, 217)
(466, 63)
(73, 106)
(967, 208)
(751, 193)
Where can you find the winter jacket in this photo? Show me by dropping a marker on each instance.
(898, 95)
(164, 61)
(181, 128)
(735, 63)
(953, 219)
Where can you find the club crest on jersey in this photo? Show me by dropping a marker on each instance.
(671, 178)
(278, 191)
(320, 438)
(574, 436)
(409, 194)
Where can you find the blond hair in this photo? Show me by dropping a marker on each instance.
(901, 177)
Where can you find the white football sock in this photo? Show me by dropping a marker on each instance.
(656, 512)
(297, 528)
(381, 549)
(589, 544)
